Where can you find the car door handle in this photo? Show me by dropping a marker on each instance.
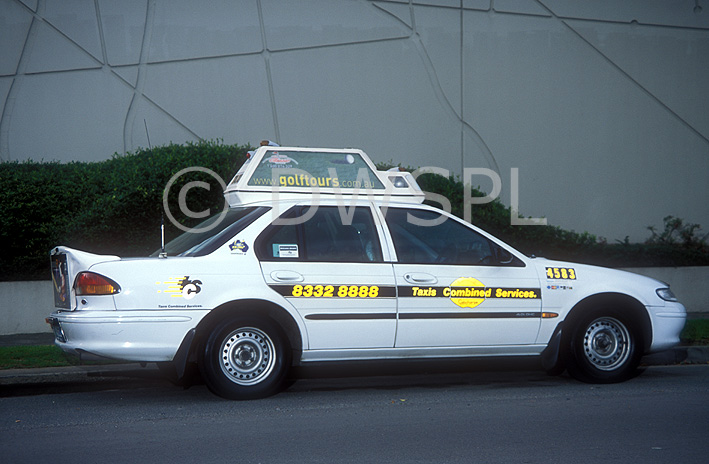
(420, 278)
(286, 276)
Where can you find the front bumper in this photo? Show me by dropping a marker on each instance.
(667, 323)
(148, 336)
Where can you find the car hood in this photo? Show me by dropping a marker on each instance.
(596, 279)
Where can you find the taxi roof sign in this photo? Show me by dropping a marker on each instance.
(296, 172)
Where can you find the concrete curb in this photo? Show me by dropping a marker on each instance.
(124, 373)
(78, 374)
(678, 355)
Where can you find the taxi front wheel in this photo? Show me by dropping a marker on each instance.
(245, 358)
(605, 347)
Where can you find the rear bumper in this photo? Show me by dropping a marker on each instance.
(150, 336)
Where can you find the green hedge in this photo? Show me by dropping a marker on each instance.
(115, 207)
(112, 206)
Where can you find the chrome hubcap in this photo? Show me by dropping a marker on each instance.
(247, 356)
(606, 343)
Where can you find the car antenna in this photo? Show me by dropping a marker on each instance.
(162, 216)
(162, 237)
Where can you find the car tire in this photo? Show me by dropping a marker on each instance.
(605, 347)
(245, 358)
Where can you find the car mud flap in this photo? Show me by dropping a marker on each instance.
(552, 358)
(183, 352)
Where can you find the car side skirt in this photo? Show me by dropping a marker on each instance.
(420, 353)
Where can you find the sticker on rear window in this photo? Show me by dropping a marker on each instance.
(281, 250)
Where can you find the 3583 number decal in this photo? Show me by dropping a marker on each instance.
(332, 291)
(561, 273)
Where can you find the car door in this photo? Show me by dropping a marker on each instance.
(330, 268)
(456, 287)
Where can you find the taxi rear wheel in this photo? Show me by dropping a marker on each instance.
(605, 347)
(245, 358)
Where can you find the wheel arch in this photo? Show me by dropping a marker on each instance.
(249, 307)
(555, 357)
(636, 311)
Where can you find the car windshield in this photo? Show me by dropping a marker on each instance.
(212, 233)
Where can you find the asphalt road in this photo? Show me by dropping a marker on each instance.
(519, 416)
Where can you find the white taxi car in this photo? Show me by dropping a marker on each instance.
(320, 257)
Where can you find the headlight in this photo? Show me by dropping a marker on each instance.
(666, 294)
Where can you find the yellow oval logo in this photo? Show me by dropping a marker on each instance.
(467, 292)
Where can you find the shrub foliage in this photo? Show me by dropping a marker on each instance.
(112, 207)
(116, 207)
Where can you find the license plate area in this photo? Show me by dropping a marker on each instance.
(60, 281)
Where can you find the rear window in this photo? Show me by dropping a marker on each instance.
(202, 243)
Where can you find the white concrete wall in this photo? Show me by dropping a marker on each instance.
(25, 304)
(601, 105)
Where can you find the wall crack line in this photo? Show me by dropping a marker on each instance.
(101, 37)
(440, 94)
(10, 100)
(625, 74)
(140, 84)
(269, 78)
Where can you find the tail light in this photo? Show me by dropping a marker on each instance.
(90, 283)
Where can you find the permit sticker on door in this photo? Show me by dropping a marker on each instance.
(281, 250)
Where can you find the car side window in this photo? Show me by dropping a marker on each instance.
(327, 236)
(282, 242)
(422, 238)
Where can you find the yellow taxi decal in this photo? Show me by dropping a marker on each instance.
(180, 287)
(468, 292)
(335, 291)
(564, 273)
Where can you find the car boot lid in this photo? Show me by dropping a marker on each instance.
(83, 260)
(67, 263)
